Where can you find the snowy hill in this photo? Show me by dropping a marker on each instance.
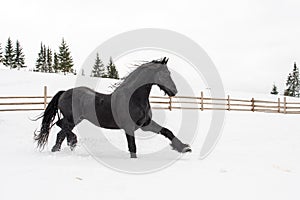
(256, 158)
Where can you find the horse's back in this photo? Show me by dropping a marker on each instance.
(72, 103)
(84, 103)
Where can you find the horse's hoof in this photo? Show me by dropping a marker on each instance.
(72, 143)
(55, 149)
(72, 147)
(133, 155)
(186, 149)
(179, 146)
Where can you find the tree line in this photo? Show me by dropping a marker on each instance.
(55, 62)
(49, 61)
(292, 84)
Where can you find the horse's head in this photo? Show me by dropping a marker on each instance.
(162, 77)
(154, 73)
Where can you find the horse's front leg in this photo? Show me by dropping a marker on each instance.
(176, 144)
(131, 144)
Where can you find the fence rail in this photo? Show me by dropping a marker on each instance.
(229, 104)
(14, 103)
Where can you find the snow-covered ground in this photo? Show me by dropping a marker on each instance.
(257, 156)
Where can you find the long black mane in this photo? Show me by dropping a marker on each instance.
(133, 73)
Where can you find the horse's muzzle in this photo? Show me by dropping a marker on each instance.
(169, 92)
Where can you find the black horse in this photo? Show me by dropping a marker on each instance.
(127, 108)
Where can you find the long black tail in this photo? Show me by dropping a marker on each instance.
(48, 118)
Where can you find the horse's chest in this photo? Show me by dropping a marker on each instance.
(140, 114)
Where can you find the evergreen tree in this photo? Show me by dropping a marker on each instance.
(292, 83)
(55, 63)
(9, 54)
(45, 66)
(40, 65)
(274, 90)
(112, 70)
(19, 59)
(1, 54)
(98, 68)
(287, 91)
(49, 60)
(65, 58)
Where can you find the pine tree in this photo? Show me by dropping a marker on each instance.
(9, 54)
(287, 91)
(112, 70)
(49, 60)
(293, 83)
(98, 68)
(274, 90)
(40, 65)
(1, 54)
(65, 58)
(19, 59)
(55, 63)
(45, 66)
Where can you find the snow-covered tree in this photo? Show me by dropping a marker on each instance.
(98, 68)
(19, 58)
(274, 90)
(112, 71)
(65, 58)
(293, 83)
(9, 54)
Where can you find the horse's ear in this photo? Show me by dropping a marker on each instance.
(166, 60)
(163, 60)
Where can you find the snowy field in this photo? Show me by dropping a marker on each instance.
(257, 157)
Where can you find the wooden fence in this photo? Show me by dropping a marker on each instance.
(230, 104)
(18, 103)
(24, 103)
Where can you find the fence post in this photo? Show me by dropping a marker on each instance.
(45, 97)
(279, 105)
(170, 103)
(252, 100)
(228, 101)
(201, 99)
(284, 105)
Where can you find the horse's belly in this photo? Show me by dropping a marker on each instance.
(105, 117)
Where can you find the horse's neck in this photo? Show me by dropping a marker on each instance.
(136, 79)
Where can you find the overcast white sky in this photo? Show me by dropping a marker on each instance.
(252, 42)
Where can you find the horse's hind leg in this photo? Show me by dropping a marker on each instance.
(66, 132)
(71, 137)
(61, 135)
(71, 140)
